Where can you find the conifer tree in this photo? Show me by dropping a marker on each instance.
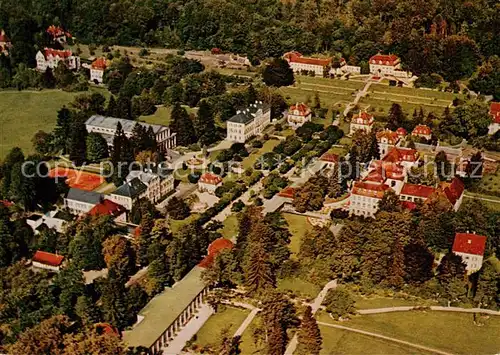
(183, 126)
(97, 148)
(258, 271)
(309, 336)
(63, 129)
(112, 106)
(78, 142)
(251, 95)
(205, 125)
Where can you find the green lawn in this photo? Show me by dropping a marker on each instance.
(489, 183)
(337, 341)
(161, 116)
(494, 206)
(176, 225)
(228, 319)
(299, 287)
(268, 146)
(298, 226)
(447, 331)
(23, 113)
(247, 345)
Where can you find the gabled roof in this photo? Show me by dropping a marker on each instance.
(132, 188)
(401, 132)
(469, 243)
(296, 57)
(329, 157)
(46, 258)
(287, 192)
(453, 190)
(384, 59)
(363, 117)
(421, 129)
(127, 125)
(495, 112)
(300, 109)
(107, 208)
(57, 53)
(209, 178)
(390, 136)
(417, 190)
(369, 190)
(398, 154)
(99, 63)
(84, 196)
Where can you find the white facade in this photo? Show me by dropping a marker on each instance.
(363, 205)
(124, 201)
(362, 121)
(248, 123)
(78, 207)
(208, 187)
(473, 262)
(157, 187)
(297, 115)
(51, 59)
(39, 265)
(493, 128)
(96, 75)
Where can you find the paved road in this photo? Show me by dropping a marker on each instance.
(432, 308)
(375, 335)
(315, 306)
(481, 198)
(358, 97)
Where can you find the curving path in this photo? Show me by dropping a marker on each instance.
(375, 335)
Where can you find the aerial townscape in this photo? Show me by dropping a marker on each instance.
(250, 177)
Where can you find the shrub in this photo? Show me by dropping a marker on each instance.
(257, 144)
(193, 178)
(143, 52)
(237, 206)
(339, 302)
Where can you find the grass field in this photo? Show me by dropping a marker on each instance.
(447, 331)
(176, 225)
(23, 113)
(230, 229)
(298, 226)
(268, 146)
(382, 302)
(161, 116)
(337, 341)
(228, 319)
(299, 287)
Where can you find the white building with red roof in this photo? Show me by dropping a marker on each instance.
(387, 64)
(50, 58)
(365, 197)
(453, 191)
(5, 43)
(414, 193)
(329, 160)
(422, 131)
(494, 127)
(58, 34)
(470, 247)
(298, 114)
(209, 183)
(97, 69)
(47, 261)
(109, 208)
(363, 120)
(386, 139)
(300, 63)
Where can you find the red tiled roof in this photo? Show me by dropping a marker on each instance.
(398, 154)
(407, 205)
(211, 179)
(392, 137)
(495, 112)
(469, 243)
(214, 249)
(421, 130)
(363, 118)
(296, 57)
(329, 157)
(55, 52)
(3, 37)
(6, 203)
(288, 192)
(56, 31)
(384, 59)
(453, 190)
(401, 131)
(383, 170)
(417, 190)
(99, 63)
(369, 190)
(107, 208)
(47, 258)
(301, 108)
(106, 328)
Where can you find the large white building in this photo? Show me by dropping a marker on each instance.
(387, 65)
(97, 69)
(470, 247)
(386, 139)
(106, 127)
(81, 201)
(158, 185)
(299, 63)
(298, 114)
(248, 122)
(50, 58)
